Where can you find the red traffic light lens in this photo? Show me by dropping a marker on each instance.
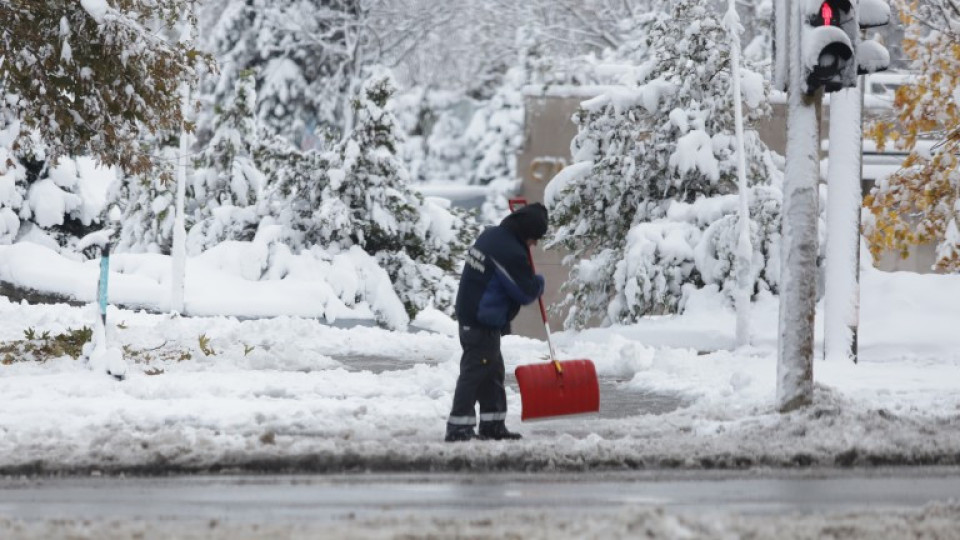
(826, 13)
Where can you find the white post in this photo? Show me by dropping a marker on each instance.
(179, 251)
(842, 297)
(798, 279)
(744, 252)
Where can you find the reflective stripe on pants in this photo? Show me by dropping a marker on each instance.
(481, 377)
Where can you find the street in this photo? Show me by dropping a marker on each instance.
(362, 504)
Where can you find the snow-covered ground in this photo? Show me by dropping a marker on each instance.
(214, 393)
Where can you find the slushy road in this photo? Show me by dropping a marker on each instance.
(307, 497)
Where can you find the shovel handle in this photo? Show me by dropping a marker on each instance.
(514, 204)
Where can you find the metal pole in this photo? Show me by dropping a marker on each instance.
(102, 285)
(744, 252)
(855, 321)
(179, 250)
(799, 245)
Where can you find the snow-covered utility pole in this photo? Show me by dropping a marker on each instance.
(798, 280)
(814, 55)
(179, 250)
(744, 252)
(844, 173)
(842, 296)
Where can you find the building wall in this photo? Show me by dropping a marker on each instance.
(548, 131)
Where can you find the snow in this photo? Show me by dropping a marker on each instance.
(843, 224)
(49, 203)
(872, 13)
(872, 56)
(815, 39)
(781, 60)
(96, 9)
(66, 51)
(570, 173)
(103, 356)
(695, 151)
(99, 238)
(349, 285)
(9, 133)
(751, 84)
(284, 390)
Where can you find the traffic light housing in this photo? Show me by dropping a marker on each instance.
(828, 36)
(832, 53)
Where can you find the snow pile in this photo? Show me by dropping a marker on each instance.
(241, 279)
(96, 9)
(104, 357)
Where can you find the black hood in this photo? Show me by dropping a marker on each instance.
(529, 222)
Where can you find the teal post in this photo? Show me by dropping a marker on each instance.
(102, 288)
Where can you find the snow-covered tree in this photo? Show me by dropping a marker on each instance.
(471, 44)
(359, 195)
(83, 79)
(370, 192)
(757, 18)
(495, 133)
(145, 202)
(12, 182)
(296, 188)
(50, 204)
(227, 185)
(645, 210)
(91, 76)
(434, 123)
(305, 56)
(919, 203)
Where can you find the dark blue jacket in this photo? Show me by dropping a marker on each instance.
(497, 279)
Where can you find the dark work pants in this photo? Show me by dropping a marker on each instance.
(481, 379)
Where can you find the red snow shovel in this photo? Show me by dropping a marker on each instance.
(555, 388)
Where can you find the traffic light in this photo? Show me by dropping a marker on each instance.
(828, 38)
(831, 53)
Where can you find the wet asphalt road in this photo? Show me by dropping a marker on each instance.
(269, 499)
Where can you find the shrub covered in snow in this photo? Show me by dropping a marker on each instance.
(646, 209)
(52, 204)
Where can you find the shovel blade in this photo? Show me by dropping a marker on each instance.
(544, 392)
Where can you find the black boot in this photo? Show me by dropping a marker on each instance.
(459, 433)
(497, 431)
